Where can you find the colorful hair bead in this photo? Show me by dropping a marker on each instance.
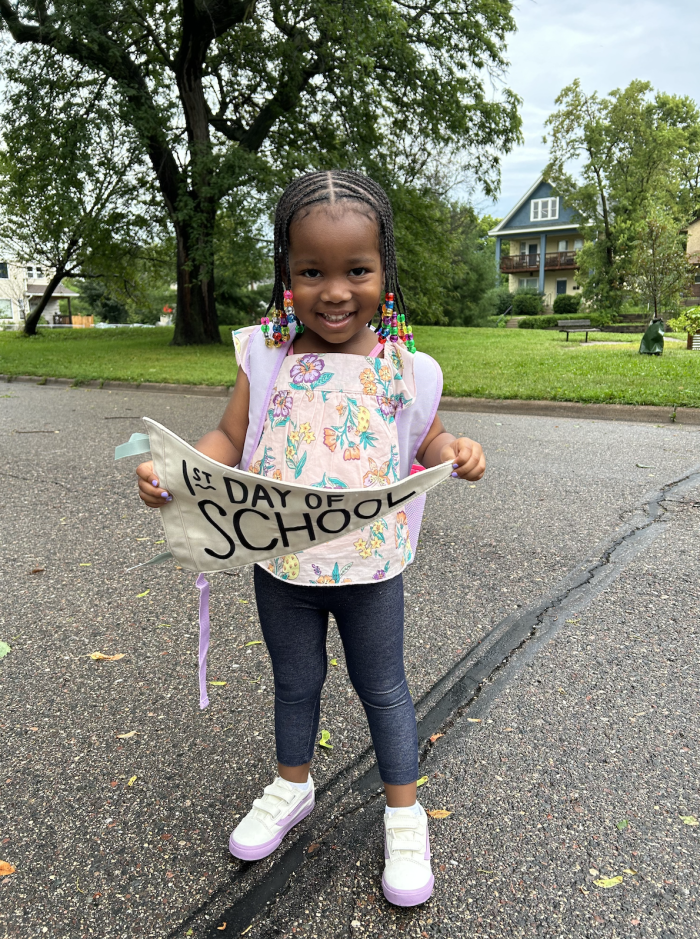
(276, 333)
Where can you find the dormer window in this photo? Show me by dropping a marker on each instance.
(542, 210)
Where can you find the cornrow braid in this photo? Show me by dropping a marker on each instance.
(332, 187)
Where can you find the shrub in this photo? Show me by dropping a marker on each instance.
(688, 321)
(551, 322)
(527, 303)
(495, 302)
(567, 305)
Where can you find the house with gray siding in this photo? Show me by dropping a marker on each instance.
(544, 239)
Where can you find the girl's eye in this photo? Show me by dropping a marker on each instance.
(311, 272)
(359, 271)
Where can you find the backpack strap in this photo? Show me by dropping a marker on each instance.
(413, 424)
(262, 367)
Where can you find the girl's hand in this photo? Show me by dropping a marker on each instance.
(467, 457)
(149, 490)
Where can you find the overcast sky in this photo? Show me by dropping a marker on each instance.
(605, 43)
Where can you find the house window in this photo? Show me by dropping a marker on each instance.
(522, 283)
(523, 247)
(561, 287)
(578, 244)
(563, 246)
(4, 274)
(5, 309)
(697, 278)
(543, 209)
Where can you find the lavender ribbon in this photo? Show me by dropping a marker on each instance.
(203, 587)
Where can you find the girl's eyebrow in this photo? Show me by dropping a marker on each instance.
(354, 261)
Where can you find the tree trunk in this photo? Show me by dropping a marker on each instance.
(196, 322)
(32, 320)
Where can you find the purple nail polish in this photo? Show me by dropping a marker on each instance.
(454, 475)
(165, 495)
(455, 465)
(154, 482)
(169, 499)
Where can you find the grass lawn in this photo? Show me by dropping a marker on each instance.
(486, 363)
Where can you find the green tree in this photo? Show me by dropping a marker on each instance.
(631, 149)
(68, 192)
(660, 270)
(239, 94)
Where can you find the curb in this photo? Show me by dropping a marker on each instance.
(629, 413)
(212, 391)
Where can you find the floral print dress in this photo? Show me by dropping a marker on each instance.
(331, 424)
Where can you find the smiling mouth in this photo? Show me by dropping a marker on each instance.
(334, 319)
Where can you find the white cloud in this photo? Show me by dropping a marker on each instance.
(605, 43)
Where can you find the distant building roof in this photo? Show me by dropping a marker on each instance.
(518, 220)
(37, 290)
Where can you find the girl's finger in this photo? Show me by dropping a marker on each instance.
(153, 495)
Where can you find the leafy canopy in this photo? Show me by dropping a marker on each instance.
(632, 149)
(231, 95)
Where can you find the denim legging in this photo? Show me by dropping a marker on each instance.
(294, 620)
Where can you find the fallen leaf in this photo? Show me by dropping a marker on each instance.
(607, 882)
(334, 662)
(33, 728)
(422, 781)
(247, 930)
(622, 824)
(4, 650)
(101, 657)
(312, 848)
(689, 820)
(628, 870)
(38, 570)
(243, 601)
(254, 642)
(323, 742)
(162, 541)
(144, 594)
(89, 564)
(474, 720)
(223, 926)
(219, 684)
(190, 932)
(6, 869)
(438, 813)
(132, 781)
(436, 737)
(132, 733)
(164, 626)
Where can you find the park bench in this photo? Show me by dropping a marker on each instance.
(576, 326)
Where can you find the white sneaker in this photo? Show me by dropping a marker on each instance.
(408, 879)
(262, 830)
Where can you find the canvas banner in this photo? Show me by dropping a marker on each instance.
(222, 518)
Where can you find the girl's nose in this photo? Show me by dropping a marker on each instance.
(336, 291)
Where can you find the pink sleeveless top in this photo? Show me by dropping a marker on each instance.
(331, 424)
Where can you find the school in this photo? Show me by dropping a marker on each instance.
(543, 238)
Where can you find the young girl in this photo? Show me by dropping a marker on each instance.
(346, 406)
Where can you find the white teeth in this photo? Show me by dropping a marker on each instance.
(335, 317)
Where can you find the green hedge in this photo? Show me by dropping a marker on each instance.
(527, 303)
(550, 322)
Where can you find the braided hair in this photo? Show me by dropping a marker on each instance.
(331, 187)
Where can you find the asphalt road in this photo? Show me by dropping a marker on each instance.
(589, 724)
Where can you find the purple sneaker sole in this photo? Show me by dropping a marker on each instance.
(257, 852)
(408, 897)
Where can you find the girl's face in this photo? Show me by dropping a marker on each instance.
(336, 268)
